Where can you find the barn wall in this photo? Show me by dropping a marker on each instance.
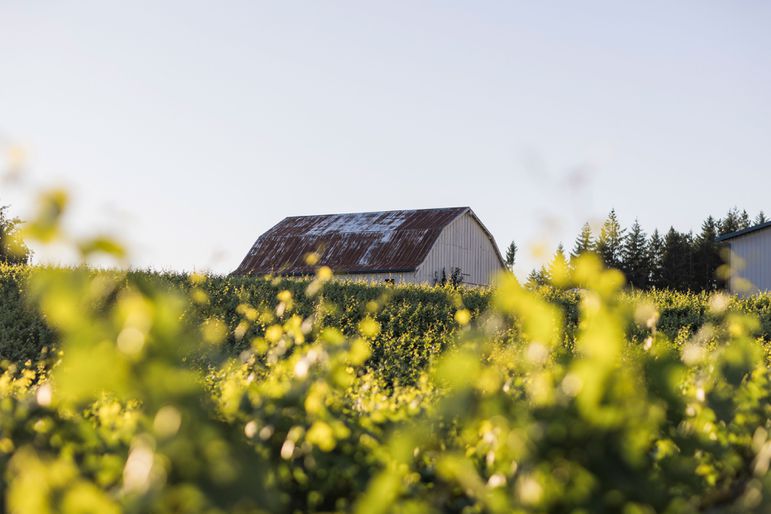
(754, 249)
(462, 244)
(380, 278)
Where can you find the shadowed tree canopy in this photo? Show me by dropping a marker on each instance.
(677, 260)
(636, 257)
(655, 254)
(707, 256)
(12, 247)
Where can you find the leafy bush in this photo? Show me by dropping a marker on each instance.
(203, 394)
(417, 322)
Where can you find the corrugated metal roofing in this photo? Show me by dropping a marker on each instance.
(367, 242)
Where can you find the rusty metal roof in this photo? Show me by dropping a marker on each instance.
(367, 242)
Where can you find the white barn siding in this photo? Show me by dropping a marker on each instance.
(462, 244)
(379, 278)
(753, 251)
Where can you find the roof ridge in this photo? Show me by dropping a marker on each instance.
(358, 213)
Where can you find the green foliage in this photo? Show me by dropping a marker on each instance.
(13, 249)
(174, 393)
(416, 322)
(24, 335)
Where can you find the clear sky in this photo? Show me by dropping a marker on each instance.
(189, 127)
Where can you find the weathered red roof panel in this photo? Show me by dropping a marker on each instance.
(367, 242)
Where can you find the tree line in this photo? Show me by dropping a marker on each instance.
(681, 261)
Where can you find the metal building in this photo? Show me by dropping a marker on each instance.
(750, 259)
(417, 246)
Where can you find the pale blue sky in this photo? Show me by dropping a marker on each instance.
(191, 127)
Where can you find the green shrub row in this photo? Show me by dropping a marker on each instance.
(416, 322)
(588, 407)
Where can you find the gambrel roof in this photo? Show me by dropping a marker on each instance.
(366, 242)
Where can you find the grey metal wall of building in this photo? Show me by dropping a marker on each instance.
(754, 260)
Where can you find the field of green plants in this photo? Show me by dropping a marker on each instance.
(171, 393)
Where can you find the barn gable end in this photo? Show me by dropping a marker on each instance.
(467, 245)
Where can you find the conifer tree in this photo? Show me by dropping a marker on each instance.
(655, 255)
(558, 267)
(610, 242)
(636, 257)
(511, 255)
(731, 222)
(539, 277)
(584, 242)
(677, 261)
(707, 256)
(560, 253)
(760, 218)
(744, 220)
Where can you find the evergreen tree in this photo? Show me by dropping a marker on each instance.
(731, 222)
(560, 253)
(655, 258)
(707, 256)
(760, 218)
(610, 242)
(558, 267)
(511, 255)
(677, 261)
(539, 277)
(12, 247)
(636, 257)
(584, 242)
(744, 220)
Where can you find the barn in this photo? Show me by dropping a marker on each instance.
(750, 258)
(407, 246)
